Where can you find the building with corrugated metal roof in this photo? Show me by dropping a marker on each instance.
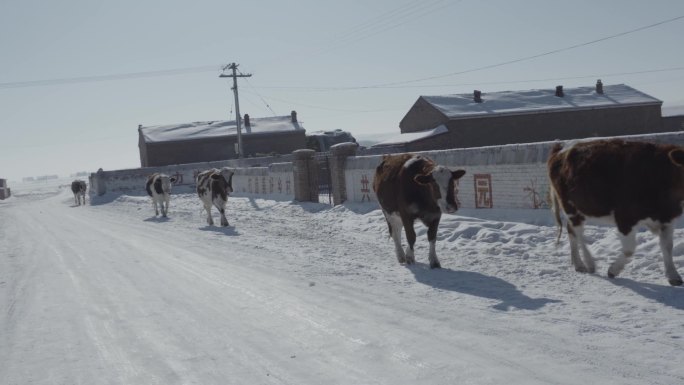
(508, 117)
(217, 140)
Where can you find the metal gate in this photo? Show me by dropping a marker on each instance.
(324, 177)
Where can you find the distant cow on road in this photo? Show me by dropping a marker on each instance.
(213, 187)
(78, 187)
(411, 187)
(158, 186)
(630, 184)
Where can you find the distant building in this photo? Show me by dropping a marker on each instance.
(4, 190)
(321, 141)
(217, 140)
(673, 118)
(507, 117)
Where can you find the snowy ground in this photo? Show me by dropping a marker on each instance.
(309, 294)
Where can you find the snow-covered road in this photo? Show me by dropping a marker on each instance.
(308, 294)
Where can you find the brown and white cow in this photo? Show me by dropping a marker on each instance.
(411, 187)
(78, 187)
(158, 186)
(213, 188)
(630, 184)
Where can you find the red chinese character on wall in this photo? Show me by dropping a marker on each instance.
(365, 191)
(287, 186)
(270, 185)
(280, 185)
(179, 178)
(483, 191)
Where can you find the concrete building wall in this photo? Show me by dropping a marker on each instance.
(218, 149)
(422, 116)
(528, 128)
(534, 127)
(673, 123)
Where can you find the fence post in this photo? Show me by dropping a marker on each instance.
(338, 162)
(97, 183)
(305, 176)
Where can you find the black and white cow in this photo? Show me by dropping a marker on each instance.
(213, 187)
(78, 187)
(630, 184)
(411, 187)
(158, 186)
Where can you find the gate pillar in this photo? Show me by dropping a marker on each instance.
(338, 162)
(305, 176)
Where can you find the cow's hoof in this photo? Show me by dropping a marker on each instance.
(675, 282)
(611, 275)
(435, 265)
(581, 269)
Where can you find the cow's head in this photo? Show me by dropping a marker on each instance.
(226, 174)
(442, 181)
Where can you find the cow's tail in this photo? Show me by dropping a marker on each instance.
(553, 194)
(555, 207)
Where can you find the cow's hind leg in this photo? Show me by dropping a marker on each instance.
(165, 207)
(629, 244)
(666, 234)
(432, 239)
(210, 220)
(395, 227)
(576, 236)
(156, 209)
(411, 240)
(224, 220)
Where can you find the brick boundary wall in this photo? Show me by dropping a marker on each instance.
(274, 181)
(505, 177)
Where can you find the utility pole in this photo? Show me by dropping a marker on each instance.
(238, 119)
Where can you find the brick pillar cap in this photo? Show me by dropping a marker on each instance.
(303, 154)
(348, 148)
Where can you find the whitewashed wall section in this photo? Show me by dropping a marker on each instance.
(274, 181)
(484, 187)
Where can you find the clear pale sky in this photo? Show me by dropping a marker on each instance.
(78, 76)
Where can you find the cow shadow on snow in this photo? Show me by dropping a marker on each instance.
(478, 285)
(230, 230)
(665, 294)
(157, 219)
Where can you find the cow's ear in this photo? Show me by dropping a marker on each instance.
(677, 157)
(457, 174)
(172, 179)
(423, 179)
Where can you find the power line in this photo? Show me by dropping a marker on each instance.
(97, 78)
(534, 56)
(100, 78)
(260, 97)
(387, 21)
(331, 109)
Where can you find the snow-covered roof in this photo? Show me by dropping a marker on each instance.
(213, 129)
(532, 101)
(411, 136)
